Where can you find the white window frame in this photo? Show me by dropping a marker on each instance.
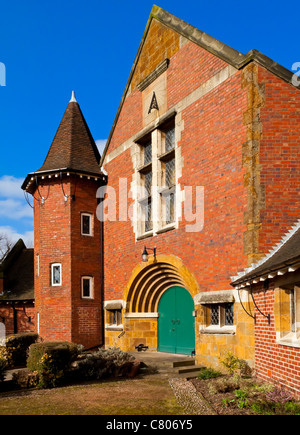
(52, 275)
(91, 216)
(91, 281)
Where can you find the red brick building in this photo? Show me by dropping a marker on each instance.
(197, 119)
(202, 163)
(17, 310)
(274, 286)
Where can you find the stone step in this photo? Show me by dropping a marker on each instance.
(188, 362)
(190, 369)
(187, 376)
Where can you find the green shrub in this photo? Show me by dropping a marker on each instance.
(25, 378)
(224, 385)
(234, 364)
(51, 362)
(242, 398)
(17, 348)
(268, 407)
(209, 373)
(292, 408)
(104, 363)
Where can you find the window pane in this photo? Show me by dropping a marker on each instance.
(214, 315)
(170, 208)
(148, 216)
(56, 275)
(117, 317)
(170, 139)
(148, 183)
(147, 153)
(170, 173)
(86, 287)
(86, 224)
(229, 318)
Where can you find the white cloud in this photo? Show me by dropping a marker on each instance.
(15, 210)
(14, 236)
(15, 214)
(13, 205)
(101, 145)
(10, 187)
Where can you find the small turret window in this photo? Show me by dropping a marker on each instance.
(87, 287)
(56, 274)
(86, 224)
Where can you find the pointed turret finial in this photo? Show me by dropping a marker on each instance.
(73, 99)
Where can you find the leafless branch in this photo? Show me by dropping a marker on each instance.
(6, 245)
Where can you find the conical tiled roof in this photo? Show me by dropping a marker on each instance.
(73, 147)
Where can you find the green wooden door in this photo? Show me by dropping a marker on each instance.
(176, 323)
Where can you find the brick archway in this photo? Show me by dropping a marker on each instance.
(149, 282)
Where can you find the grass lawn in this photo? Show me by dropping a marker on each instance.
(123, 397)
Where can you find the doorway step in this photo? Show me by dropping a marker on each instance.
(169, 365)
(187, 369)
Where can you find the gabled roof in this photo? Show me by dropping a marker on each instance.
(18, 271)
(219, 49)
(73, 147)
(283, 258)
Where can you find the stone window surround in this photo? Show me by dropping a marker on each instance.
(177, 110)
(216, 298)
(113, 305)
(156, 132)
(292, 338)
(91, 281)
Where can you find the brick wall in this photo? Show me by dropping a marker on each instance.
(211, 146)
(280, 158)
(273, 361)
(23, 312)
(86, 261)
(53, 245)
(211, 151)
(63, 314)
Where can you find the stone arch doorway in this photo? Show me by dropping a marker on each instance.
(150, 285)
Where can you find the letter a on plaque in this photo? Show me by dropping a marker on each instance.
(153, 104)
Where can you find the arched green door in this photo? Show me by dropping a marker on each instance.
(176, 322)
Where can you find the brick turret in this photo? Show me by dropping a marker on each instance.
(68, 235)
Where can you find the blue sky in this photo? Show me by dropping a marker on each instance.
(51, 47)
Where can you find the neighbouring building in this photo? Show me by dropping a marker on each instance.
(274, 288)
(17, 310)
(201, 181)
